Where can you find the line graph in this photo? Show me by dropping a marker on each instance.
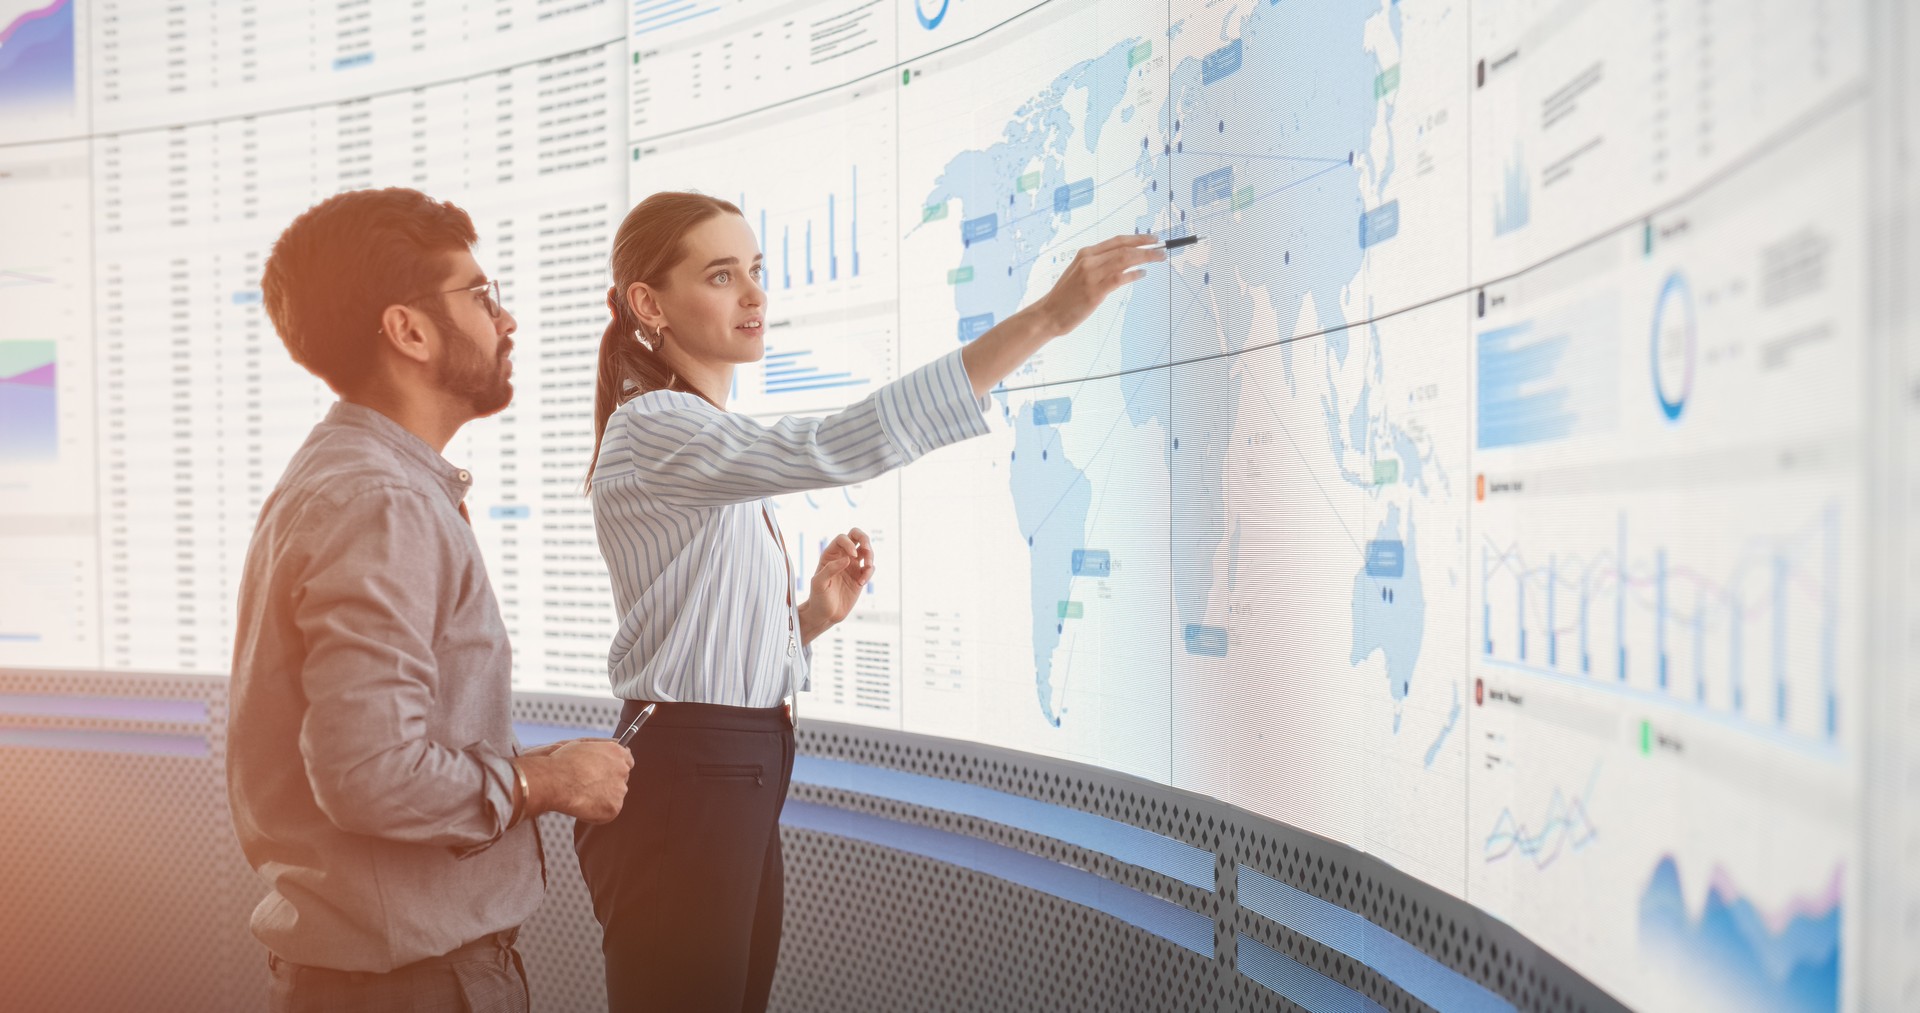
(1752, 636)
(1564, 826)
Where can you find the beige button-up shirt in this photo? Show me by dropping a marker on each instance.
(369, 733)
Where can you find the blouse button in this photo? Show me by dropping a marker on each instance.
(465, 476)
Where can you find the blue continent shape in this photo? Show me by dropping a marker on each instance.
(1286, 123)
(1051, 498)
(986, 182)
(1389, 613)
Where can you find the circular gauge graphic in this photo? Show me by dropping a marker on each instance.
(1673, 347)
(930, 12)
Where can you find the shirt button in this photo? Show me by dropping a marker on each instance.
(465, 476)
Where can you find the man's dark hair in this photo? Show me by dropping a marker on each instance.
(345, 260)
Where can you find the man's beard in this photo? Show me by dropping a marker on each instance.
(466, 374)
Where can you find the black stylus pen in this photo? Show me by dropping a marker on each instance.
(1177, 242)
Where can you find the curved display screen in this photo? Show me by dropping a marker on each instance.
(1504, 483)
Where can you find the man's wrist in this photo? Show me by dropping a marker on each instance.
(521, 794)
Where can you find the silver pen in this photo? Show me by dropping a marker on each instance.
(626, 735)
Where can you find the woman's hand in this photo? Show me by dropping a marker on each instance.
(1094, 274)
(845, 567)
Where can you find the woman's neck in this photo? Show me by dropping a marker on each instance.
(711, 380)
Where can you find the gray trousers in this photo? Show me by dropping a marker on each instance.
(485, 976)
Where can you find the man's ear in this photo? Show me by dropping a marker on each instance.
(405, 332)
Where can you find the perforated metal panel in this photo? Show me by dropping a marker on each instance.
(123, 884)
(844, 921)
(872, 929)
(126, 888)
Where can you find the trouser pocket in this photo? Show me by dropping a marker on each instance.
(746, 772)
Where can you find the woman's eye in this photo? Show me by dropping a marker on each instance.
(757, 273)
(722, 278)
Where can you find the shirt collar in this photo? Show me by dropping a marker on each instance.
(455, 480)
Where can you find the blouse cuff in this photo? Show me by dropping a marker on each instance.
(932, 407)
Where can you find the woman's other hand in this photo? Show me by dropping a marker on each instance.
(846, 565)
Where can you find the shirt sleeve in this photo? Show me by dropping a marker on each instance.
(368, 607)
(682, 450)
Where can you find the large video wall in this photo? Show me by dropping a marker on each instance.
(1513, 482)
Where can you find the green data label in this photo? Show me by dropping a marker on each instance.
(933, 212)
(1072, 609)
(1387, 83)
(1029, 181)
(960, 275)
(1386, 472)
(1139, 55)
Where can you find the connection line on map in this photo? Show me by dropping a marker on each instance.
(1098, 450)
(1633, 222)
(1077, 233)
(1197, 300)
(1275, 192)
(1106, 338)
(1060, 703)
(1094, 508)
(1264, 158)
(1060, 698)
(1280, 421)
(1067, 239)
(1046, 207)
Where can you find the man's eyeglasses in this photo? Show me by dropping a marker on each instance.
(489, 294)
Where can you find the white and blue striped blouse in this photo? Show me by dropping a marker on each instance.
(678, 495)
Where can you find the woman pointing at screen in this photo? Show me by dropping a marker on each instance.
(687, 882)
